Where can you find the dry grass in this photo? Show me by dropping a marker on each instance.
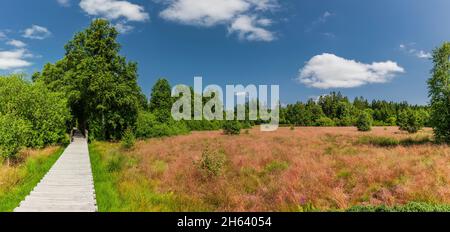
(13, 174)
(295, 170)
(18, 178)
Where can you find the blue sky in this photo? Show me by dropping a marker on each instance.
(376, 49)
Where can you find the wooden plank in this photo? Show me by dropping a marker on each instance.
(68, 186)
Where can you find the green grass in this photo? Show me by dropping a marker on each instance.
(107, 194)
(382, 141)
(121, 187)
(410, 207)
(31, 172)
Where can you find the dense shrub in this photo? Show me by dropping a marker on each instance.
(325, 121)
(410, 121)
(212, 162)
(204, 125)
(148, 126)
(14, 134)
(31, 115)
(145, 125)
(346, 121)
(364, 122)
(46, 111)
(232, 127)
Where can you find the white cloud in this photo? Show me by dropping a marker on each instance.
(65, 3)
(36, 32)
(14, 59)
(16, 43)
(204, 12)
(330, 71)
(244, 17)
(329, 35)
(324, 17)
(122, 27)
(2, 35)
(247, 28)
(410, 49)
(320, 20)
(423, 55)
(114, 9)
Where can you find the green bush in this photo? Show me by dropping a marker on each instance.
(128, 139)
(204, 125)
(364, 122)
(47, 112)
(410, 207)
(410, 121)
(147, 126)
(325, 121)
(232, 127)
(14, 134)
(212, 162)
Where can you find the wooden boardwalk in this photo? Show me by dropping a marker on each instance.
(68, 186)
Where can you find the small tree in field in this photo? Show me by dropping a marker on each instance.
(128, 139)
(439, 92)
(364, 122)
(410, 121)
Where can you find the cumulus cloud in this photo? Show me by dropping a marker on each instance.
(16, 43)
(114, 9)
(14, 59)
(330, 71)
(65, 3)
(204, 12)
(36, 32)
(410, 49)
(244, 17)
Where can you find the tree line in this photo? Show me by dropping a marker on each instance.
(93, 87)
(335, 109)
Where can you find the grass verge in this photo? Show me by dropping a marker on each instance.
(17, 182)
(104, 182)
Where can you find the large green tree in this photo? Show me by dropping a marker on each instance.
(101, 85)
(439, 92)
(161, 100)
